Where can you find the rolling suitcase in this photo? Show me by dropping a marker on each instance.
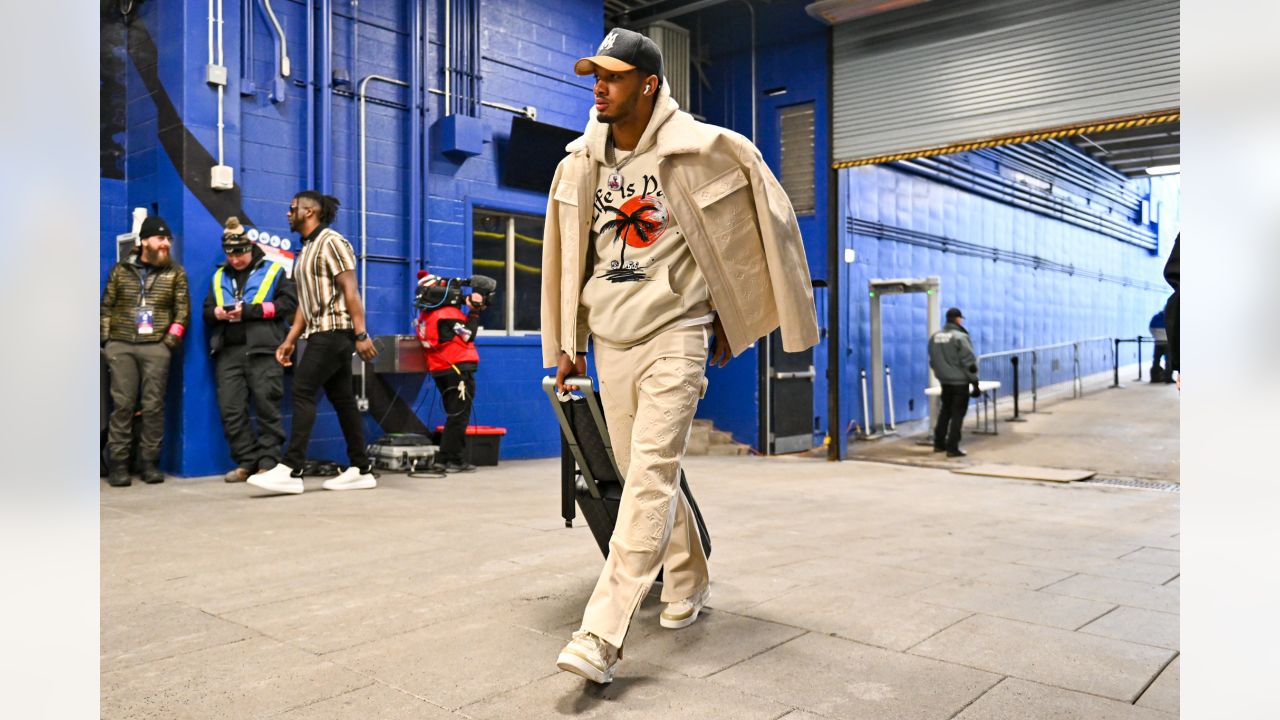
(588, 471)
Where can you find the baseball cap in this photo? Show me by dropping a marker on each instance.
(154, 225)
(623, 50)
(954, 313)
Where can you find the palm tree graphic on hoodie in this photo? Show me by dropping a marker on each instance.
(638, 223)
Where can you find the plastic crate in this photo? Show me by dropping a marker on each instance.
(482, 443)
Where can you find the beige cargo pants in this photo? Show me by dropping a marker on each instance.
(650, 392)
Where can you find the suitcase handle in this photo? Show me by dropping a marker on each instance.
(549, 387)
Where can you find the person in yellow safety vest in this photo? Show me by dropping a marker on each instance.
(250, 299)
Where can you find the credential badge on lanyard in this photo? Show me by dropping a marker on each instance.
(146, 316)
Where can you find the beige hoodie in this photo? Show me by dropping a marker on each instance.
(643, 279)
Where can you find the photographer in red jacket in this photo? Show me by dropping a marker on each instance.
(447, 328)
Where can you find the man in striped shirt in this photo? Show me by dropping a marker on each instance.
(331, 318)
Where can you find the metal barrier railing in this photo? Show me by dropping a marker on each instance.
(1082, 363)
(1077, 362)
(1138, 341)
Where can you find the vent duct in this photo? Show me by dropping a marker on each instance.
(673, 41)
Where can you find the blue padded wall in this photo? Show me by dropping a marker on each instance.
(894, 219)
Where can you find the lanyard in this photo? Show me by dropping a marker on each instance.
(142, 287)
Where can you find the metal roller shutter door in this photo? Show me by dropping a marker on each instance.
(943, 74)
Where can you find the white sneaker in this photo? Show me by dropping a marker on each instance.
(590, 657)
(278, 479)
(682, 613)
(351, 479)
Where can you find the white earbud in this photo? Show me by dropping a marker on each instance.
(646, 89)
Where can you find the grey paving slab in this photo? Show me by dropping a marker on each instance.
(1070, 660)
(254, 678)
(373, 702)
(713, 643)
(1120, 592)
(737, 593)
(1102, 567)
(1099, 431)
(1158, 556)
(456, 663)
(157, 629)
(551, 604)
(883, 621)
(1146, 627)
(329, 621)
(641, 691)
(862, 576)
(345, 579)
(1023, 576)
(1165, 693)
(1015, 699)
(842, 679)
(1014, 603)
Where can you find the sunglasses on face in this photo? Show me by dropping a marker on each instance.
(238, 250)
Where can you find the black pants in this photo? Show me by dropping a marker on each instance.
(458, 411)
(251, 380)
(326, 364)
(951, 410)
(1159, 373)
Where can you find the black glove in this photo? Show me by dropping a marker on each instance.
(975, 392)
(171, 341)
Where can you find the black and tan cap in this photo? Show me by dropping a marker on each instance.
(623, 50)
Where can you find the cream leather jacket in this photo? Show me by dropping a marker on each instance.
(734, 214)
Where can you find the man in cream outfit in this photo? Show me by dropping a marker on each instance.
(663, 235)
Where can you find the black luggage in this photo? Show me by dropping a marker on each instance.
(588, 471)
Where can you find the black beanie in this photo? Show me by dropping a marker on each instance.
(154, 225)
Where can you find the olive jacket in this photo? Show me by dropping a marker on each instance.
(166, 294)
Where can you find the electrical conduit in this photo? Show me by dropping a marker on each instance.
(362, 96)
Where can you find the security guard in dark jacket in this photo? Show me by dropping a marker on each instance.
(249, 300)
(953, 362)
(145, 310)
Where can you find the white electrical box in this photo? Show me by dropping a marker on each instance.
(223, 178)
(215, 74)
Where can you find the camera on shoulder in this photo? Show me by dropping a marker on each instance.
(436, 292)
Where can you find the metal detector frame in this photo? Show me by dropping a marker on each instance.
(900, 286)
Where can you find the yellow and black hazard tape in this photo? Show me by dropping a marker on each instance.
(1159, 118)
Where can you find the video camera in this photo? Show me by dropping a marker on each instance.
(437, 292)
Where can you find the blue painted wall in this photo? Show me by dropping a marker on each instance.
(527, 51)
(791, 53)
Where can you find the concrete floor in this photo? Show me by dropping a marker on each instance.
(1130, 433)
(853, 590)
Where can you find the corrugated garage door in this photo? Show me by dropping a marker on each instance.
(947, 73)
